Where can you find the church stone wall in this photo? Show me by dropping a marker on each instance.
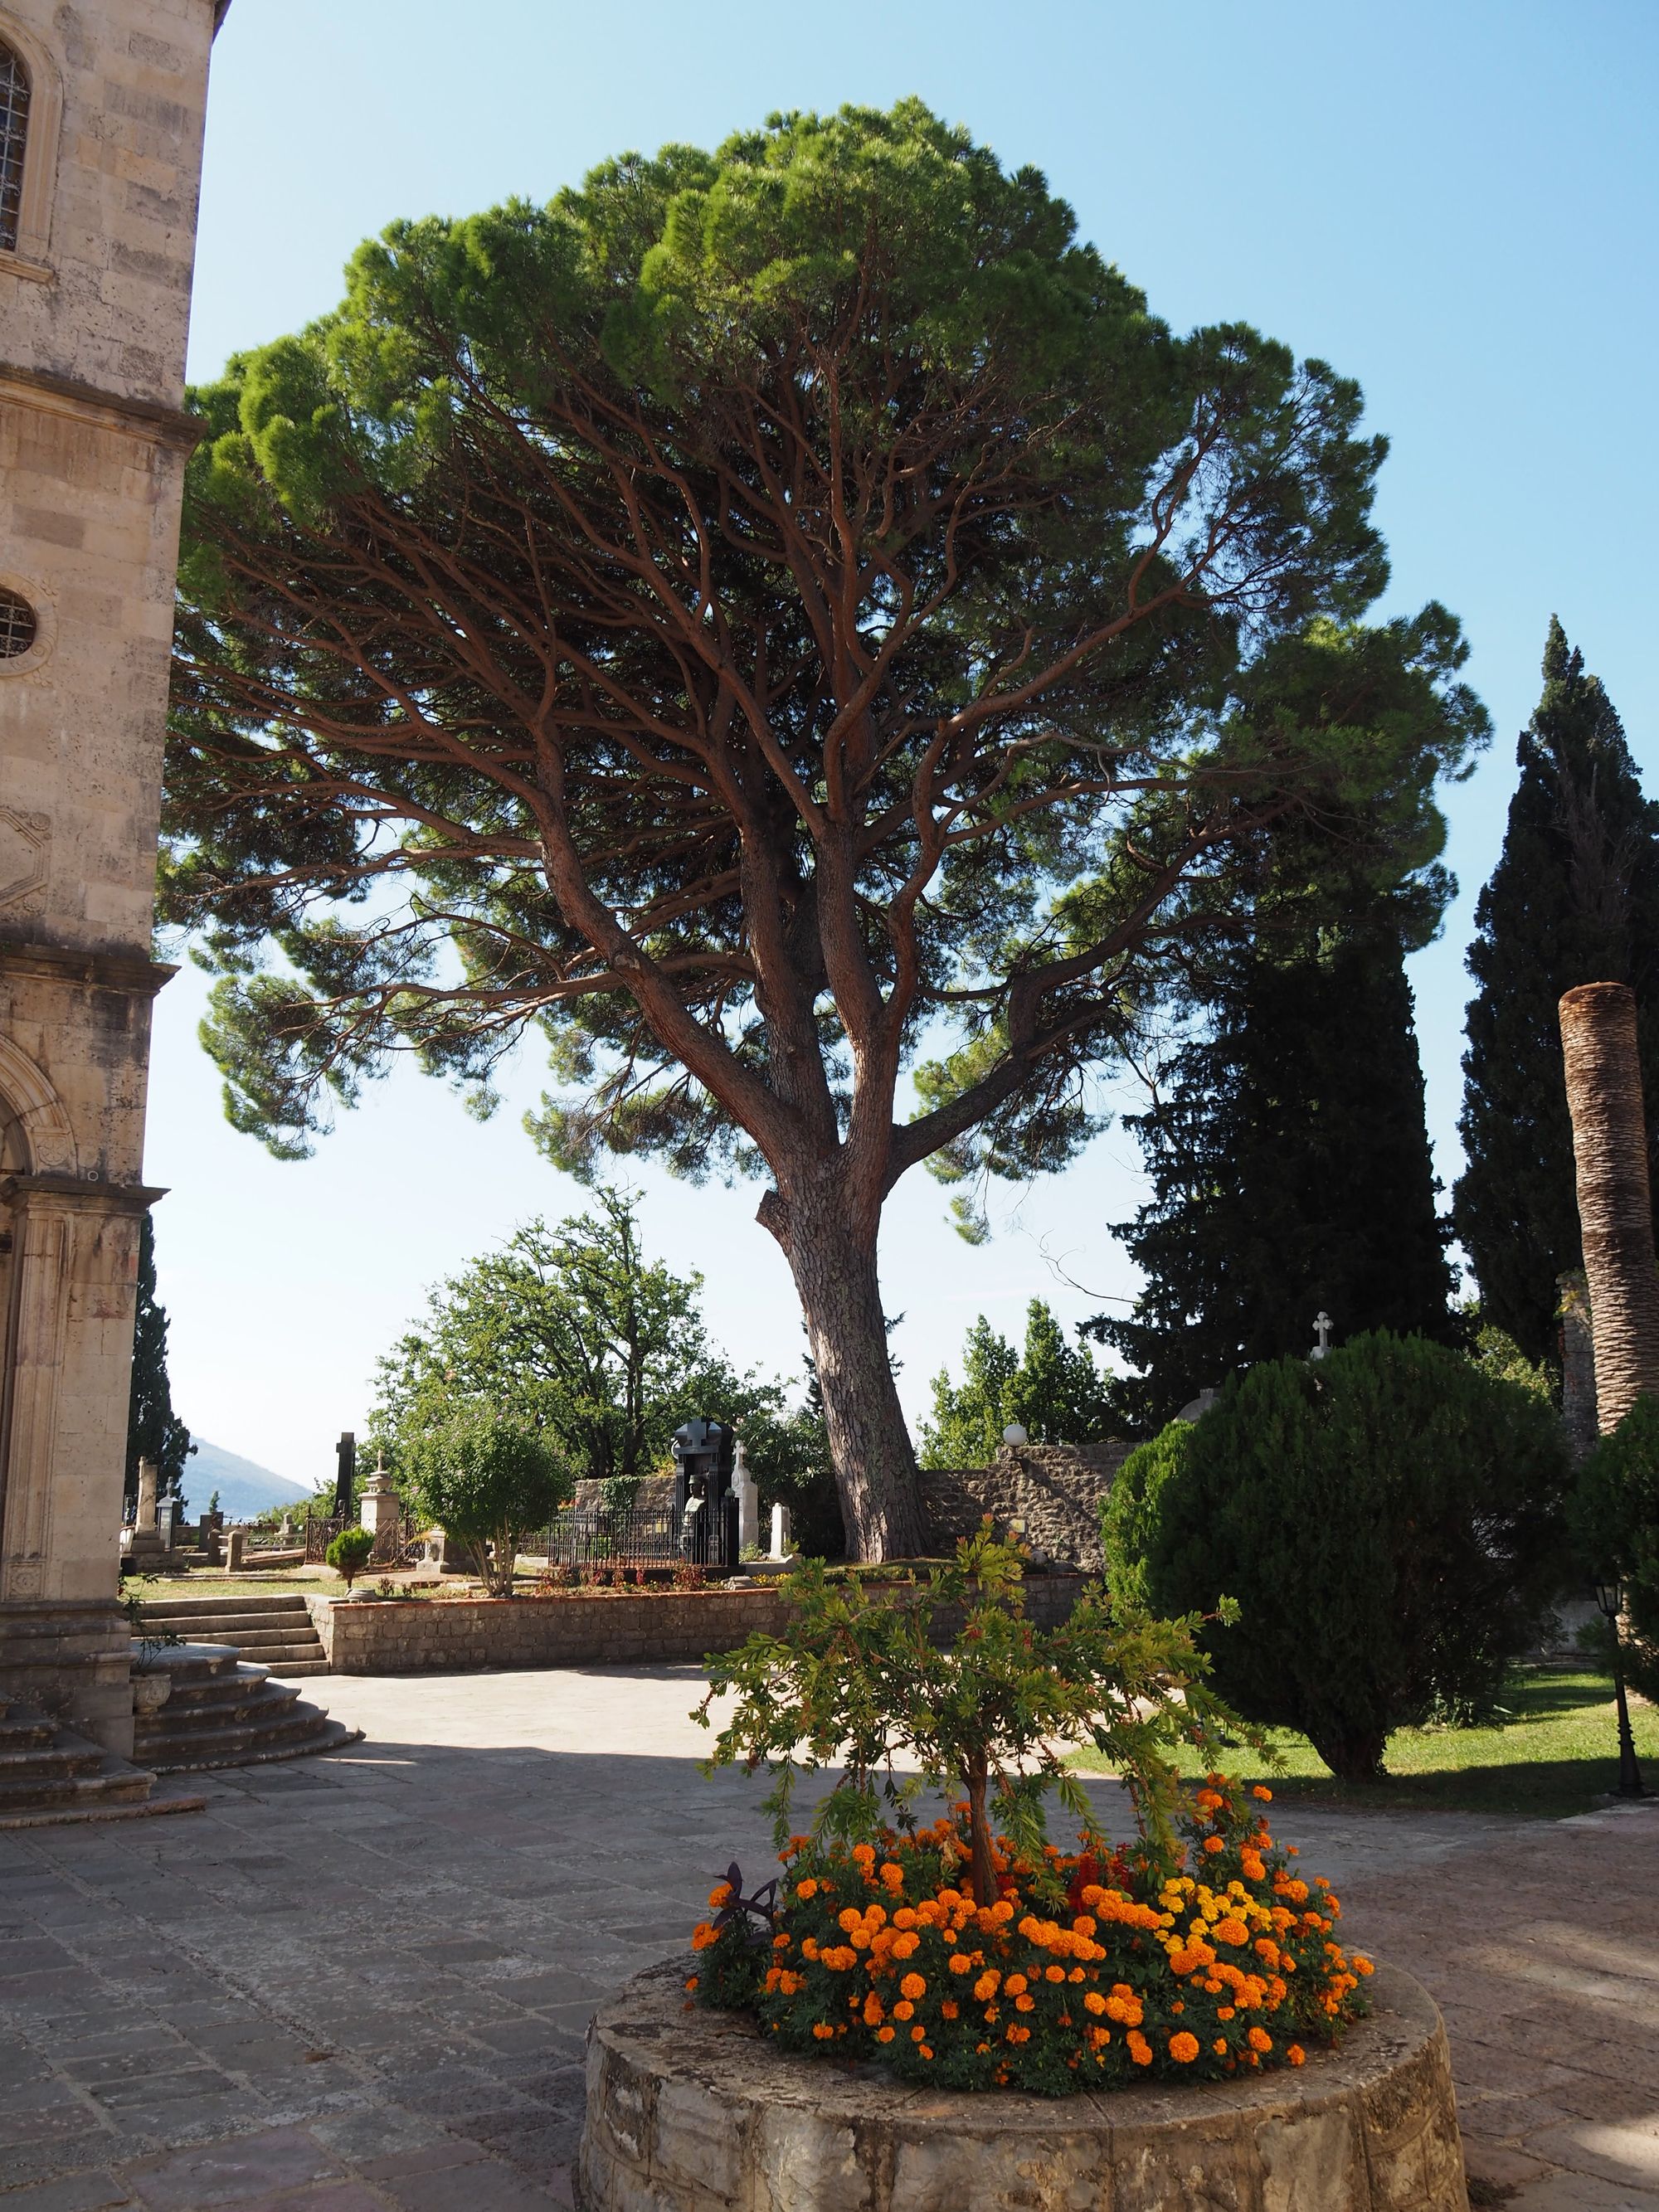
(94, 315)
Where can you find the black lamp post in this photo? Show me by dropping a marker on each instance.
(1611, 1600)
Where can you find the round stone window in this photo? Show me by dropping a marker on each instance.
(17, 625)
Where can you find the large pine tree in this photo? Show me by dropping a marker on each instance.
(1290, 1173)
(1574, 899)
(153, 1429)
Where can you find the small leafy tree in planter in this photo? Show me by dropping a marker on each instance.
(988, 1711)
(349, 1553)
(489, 1481)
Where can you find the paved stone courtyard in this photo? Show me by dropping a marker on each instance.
(361, 1981)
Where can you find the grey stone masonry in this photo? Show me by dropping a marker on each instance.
(691, 2111)
(1055, 1491)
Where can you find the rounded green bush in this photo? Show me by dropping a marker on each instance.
(1615, 1519)
(1389, 1520)
(350, 1552)
(490, 1480)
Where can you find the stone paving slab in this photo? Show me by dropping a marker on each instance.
(364, 1981)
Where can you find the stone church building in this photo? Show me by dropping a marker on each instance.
(101, 107)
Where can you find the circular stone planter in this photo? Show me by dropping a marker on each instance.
(691, 2112)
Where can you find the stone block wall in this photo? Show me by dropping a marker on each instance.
(456, 1635)
(1055, 1489)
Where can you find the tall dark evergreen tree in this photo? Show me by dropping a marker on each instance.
(153, 1429)
(1290, 1173)
(1574, 899)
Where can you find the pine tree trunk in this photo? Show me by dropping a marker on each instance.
(1615, 1211)
(875, 1463)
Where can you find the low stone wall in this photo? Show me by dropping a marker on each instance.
(434, 1636)
(1055, 1489)
(450, 1635)
(692, 2112)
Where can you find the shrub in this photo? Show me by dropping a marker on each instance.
(1082, 1972)
(489, 1481)
(1615, 1522)
(350, 1552)
(1388, 1520)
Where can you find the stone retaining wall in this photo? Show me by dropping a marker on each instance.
(451, 1635)
(1055, 1489)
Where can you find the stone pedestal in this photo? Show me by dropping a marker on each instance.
(782, 1532)
(748, 1498)
(380, 1507)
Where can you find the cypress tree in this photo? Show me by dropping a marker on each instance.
(1290, 1173)
(153, 1429)
(1574, 899)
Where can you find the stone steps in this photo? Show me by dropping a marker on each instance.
(225, 1711)
(49, 1773)
(277, 1630)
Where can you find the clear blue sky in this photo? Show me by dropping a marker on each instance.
(1456, 204)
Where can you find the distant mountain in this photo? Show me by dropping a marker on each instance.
(245, 1488)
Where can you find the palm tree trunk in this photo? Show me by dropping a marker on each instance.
(1615, 1211)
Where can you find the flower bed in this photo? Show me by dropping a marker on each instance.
(1083, 1973)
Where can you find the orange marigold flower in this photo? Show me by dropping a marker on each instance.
(1017, 2034)
(914, 1986)
(1363, 1966)
(807, 1889)
(986, 1987)
(925, 2051)
(950, 2008)
(1183, 2048)
(1139, 2049)
(1094, 2003)
(918, 2035)
(820, 2032)
(849, 1919)
(692, 1983)
(1262, 1795)
(960, 1963)
(1054, 1973)
(906, 1945)
(1230, 1930)
(1226, 2012)
(905, 2010)
(1259, 2039)
(883, 2035)
(1024, 2005)
(1014, 1985)
(702, 1936)
(892, 1876)
(1213, 1844)
(720, 1894)
(1296, 2055)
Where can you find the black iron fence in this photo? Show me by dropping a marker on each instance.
(669, 1536)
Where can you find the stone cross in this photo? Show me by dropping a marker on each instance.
(748, 1498)
(1323, 1324)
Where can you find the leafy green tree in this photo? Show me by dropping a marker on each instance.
(1574, 899)
(1615, 1525)
(153, 1429)
(575, 1332)
(1389, 1519)
(1291, 1175)
(491, 1480)
(762, 610)
(982, 1700)
(1056, 1390)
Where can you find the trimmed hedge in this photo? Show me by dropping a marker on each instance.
(1389, 1520)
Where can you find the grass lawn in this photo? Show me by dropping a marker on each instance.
(1556, 1752)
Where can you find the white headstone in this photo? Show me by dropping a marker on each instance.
(145, 1516)
(748, 1503)
(782, 1539)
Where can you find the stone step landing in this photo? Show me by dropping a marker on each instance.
(224, 1711)
(277, 1630)
(48, 1774)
